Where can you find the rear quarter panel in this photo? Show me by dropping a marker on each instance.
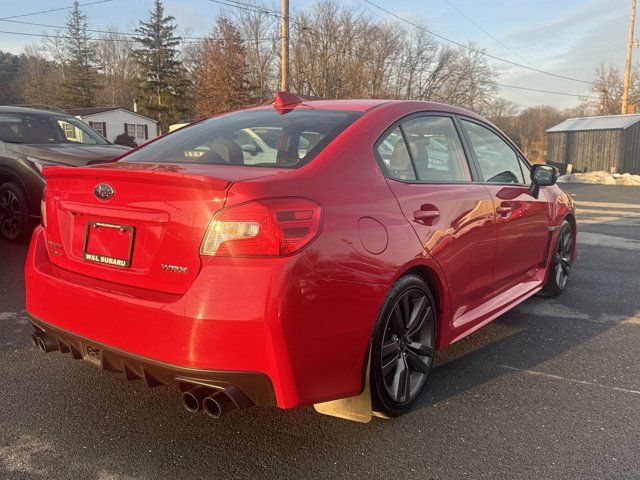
(365, 245)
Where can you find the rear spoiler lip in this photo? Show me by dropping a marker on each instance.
(143, 176)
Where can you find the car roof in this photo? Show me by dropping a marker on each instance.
(365, 105)
(345, 105)
(12, 109)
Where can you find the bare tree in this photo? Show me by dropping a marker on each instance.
(118, 68)
(530, 130)
(471, 79)
(607, 89)
(39, 77)
(256, 27)
(338, 51)
(501, 108)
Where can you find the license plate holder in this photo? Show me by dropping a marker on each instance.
(108, 243)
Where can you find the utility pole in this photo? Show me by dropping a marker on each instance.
(284, 63)
(627, 71)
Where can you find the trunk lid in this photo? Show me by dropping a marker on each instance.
(71, 154)
(148, 233)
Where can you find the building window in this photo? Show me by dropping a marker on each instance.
(69, 131)
(100, 127)
(137, 131)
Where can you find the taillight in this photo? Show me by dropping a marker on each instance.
(270, 227)
(43, 210)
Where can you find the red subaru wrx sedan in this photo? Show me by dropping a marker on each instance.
(296, 254)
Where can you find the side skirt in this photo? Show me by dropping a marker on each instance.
(480, 316)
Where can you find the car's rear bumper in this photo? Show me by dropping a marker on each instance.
(306, 336)
(255, 386)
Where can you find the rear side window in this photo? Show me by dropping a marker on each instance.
(427, 149)
(436, 149)
(498, 162)
(254, 137)
(395, 156)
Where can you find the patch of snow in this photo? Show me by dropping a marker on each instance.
(601, 178)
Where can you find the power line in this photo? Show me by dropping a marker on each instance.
(114, 32)
(543, 91)
(247, 7)
(55, 9)
(472, 22)
(127, 34)
(48, 35)
(476, 50)
(265, 11)
(364, 7)
(525, 95)
(59, 36)
(128, 40)
(479, 27)
(64, 27)
(229, 3)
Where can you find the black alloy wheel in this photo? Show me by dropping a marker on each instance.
(404, 346)
(561, 263)
(14, 217)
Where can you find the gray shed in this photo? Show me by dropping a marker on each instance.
(610, 143)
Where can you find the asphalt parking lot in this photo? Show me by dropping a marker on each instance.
(549, 390)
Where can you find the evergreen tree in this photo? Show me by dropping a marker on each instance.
(163, 77)
(220, 78)
(81, 84)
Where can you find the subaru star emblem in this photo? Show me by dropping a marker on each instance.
(103, 191)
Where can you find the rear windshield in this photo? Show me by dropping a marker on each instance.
(37, 128)
(253, 137)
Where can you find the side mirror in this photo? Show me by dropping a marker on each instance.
(543, 176)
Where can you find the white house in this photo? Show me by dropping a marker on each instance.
(113, 121)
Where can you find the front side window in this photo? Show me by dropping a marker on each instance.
(254, 137)
(498, 162)
(436, 149)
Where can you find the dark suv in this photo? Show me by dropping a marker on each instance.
(31, 139)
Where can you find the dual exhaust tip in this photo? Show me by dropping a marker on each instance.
(215, 403)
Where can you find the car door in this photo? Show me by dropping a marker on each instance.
(453, 217)
(523, 220)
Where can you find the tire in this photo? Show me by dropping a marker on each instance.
(560, 266)
(404, 341)
(14, 213)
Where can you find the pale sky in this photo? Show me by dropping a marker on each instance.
(567, 37)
